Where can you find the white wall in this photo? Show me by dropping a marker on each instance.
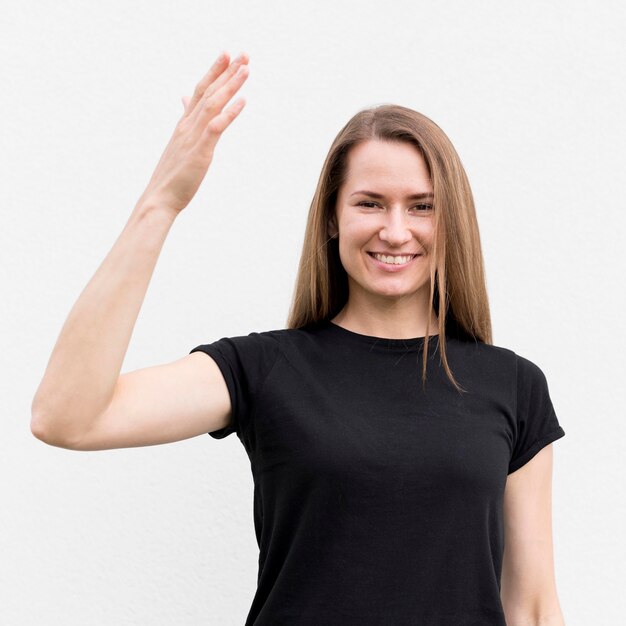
(532, 96)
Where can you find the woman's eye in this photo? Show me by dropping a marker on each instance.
(421, 207)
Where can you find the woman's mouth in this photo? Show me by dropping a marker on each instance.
(392, 262)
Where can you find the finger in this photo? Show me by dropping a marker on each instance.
(242, 59)
(220, 122)
(212, 106)
(196, 113)
(220, 64)
(185, 100)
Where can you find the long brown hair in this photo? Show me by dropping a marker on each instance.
(458, 291)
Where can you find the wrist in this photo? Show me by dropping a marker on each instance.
(148, 207)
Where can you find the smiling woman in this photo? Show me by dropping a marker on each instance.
(379, 497)
(392, 493)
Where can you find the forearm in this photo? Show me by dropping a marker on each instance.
(85, 363)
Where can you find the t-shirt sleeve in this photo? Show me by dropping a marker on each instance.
(245, 362)
(536, 421)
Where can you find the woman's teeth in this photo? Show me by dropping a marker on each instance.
(393, 260)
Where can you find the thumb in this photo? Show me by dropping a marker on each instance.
(185, 100)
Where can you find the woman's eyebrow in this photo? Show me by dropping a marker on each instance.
(414, 196)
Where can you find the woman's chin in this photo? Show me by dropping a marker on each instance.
(391, 292)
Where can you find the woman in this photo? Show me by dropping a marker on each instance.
(402, 463)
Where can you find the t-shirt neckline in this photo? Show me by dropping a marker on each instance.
(384, 342)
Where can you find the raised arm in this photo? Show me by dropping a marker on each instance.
(82, 401)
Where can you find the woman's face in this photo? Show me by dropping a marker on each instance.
(376, 215)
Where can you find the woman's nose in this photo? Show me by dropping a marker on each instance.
(395, 230)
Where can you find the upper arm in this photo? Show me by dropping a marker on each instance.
(528, 586)
(162, 404)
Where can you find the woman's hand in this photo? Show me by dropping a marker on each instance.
(189, 153)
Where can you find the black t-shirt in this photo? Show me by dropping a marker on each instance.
(378, 501)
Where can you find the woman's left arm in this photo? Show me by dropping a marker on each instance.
(528, 585)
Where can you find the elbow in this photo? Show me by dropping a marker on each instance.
(37, 429)
(41, 428)
(38, 425)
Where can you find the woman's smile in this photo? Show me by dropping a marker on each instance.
(392, 263)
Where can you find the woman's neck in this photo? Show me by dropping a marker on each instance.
(390, 323)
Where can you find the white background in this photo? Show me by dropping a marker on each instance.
(531, 95)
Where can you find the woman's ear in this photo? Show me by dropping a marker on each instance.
(332, 228)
